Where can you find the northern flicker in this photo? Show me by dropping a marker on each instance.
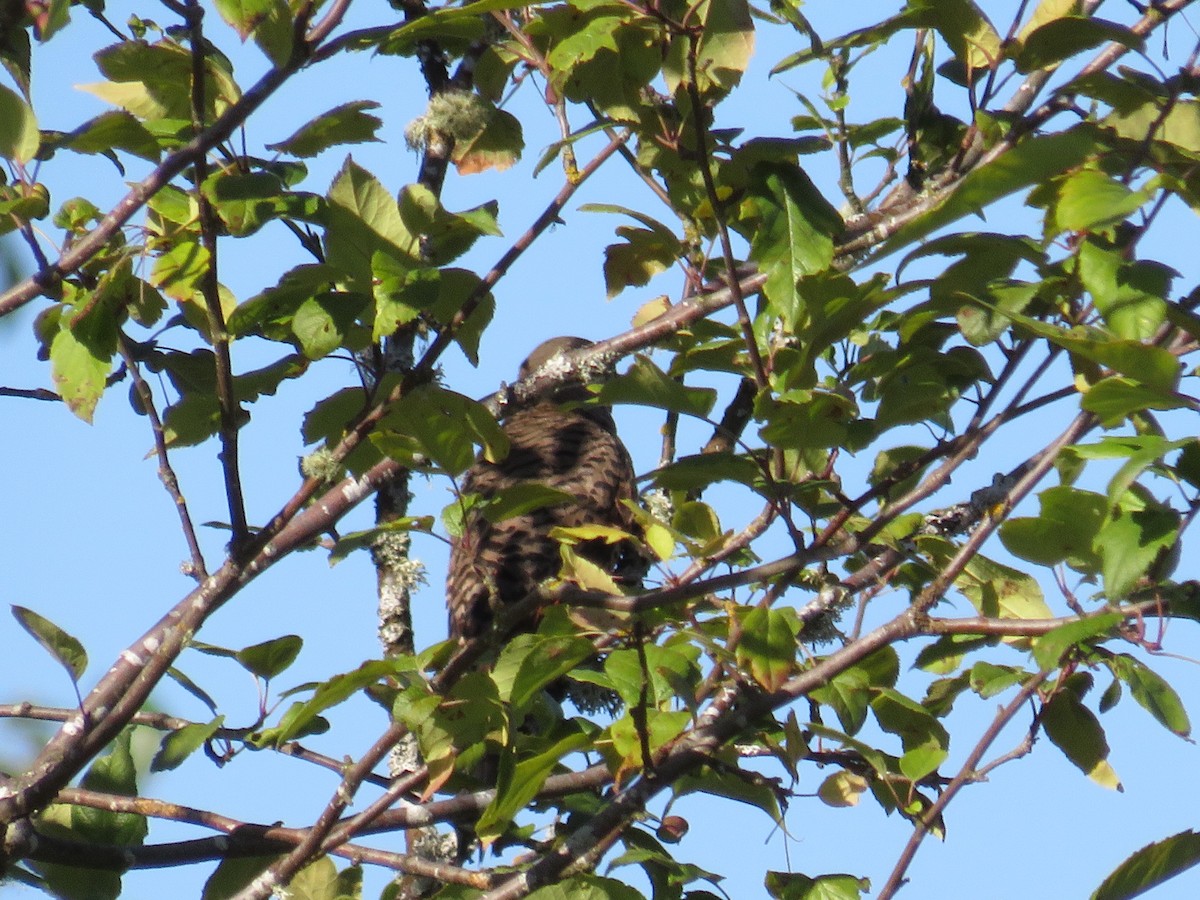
(575, 451)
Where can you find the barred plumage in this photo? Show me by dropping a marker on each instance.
(575, 451)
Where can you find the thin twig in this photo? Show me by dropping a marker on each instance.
(166, 472)
(965, 775)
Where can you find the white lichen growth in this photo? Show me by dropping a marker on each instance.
(322, 465)
(658, 503)
(459, 115)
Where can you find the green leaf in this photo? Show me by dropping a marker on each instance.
(1049, 649)
(993, 589)
(79, 371)
(316, 881)
(1075, 730)
(268, 659)
(726, 782)
(329, 693)
(497, 146)
(924, 738)
(1151, 866)
(988, 680)
(767, 649)
(244, 15)
(1088, 200)
(723, 51)
(661, 727)
(967, 30)
(178, 745)
(794, 228)
(794, 886)
(644, 254)
(363, 540)
(1131, 296)
(233, 874)
(446, 427)
(529, 662)
(1060, 39)
(345, 124)
(528, 776)
(1131, 542)
(1065, 529)
(666, 669)
(364, 219)
(1141, 451)
(647, 385)
(245, 201)
(808, 419)
(178, 271)
(113, 773)
(586, 887)
(521, 499)
(325, 323)
(849, 693)
(114, 130)
(697, 472)
(1153, 693)
(63, 647)
(1115, 398)
(19, 137)
(1031, 162)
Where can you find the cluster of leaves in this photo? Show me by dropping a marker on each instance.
(827, 357)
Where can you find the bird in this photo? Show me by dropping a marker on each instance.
(575, 450)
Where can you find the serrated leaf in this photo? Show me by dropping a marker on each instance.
(794, 886)
(529, 662)
(647, 385)
(527, 779)
(1151, 866)
(1131, 542)
(344, 124)
(79, 372)
(1031, 162)
(244, 15)
(767, 648)
(794, 231)
(62, 646)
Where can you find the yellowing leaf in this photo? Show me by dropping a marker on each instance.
(842, 789)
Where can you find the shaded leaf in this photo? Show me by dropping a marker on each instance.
(178, 745)
(1075, 730)
(62, 646)
(1151, 866)
(348, 123)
